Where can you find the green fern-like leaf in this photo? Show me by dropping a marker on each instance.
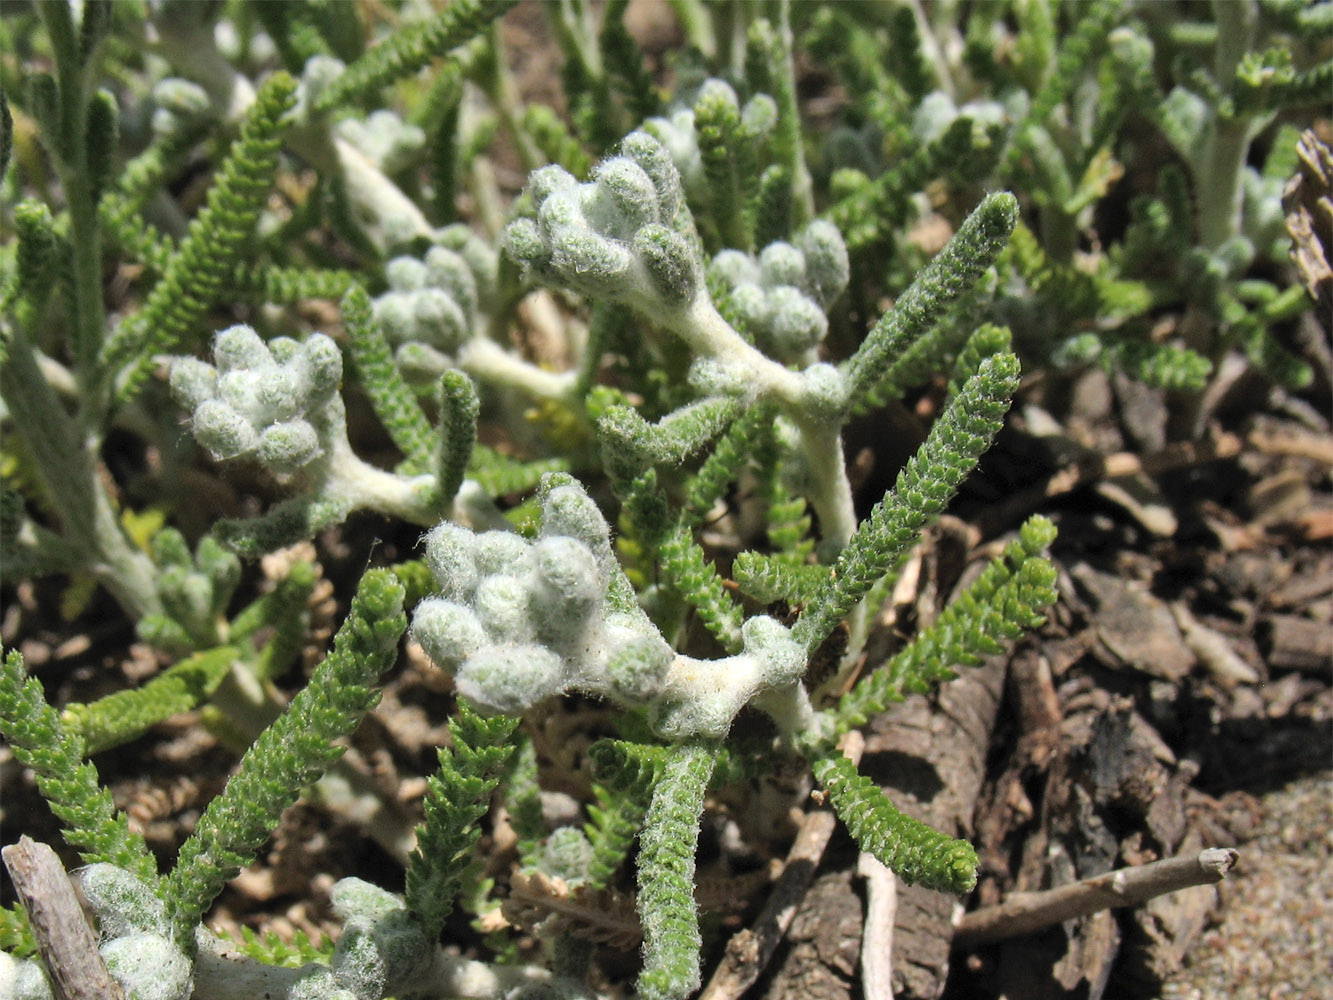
(553, 138)
(500, 475)
(687, 570)
(272, 950)
(291, 521)
(671, 938)
(294, 751)
(194, 276)
(126, 715)
(1077, 52)
(630, 444)
(949, 276)
(625, 60)
(15, 935)
(286, 285)
(1006, 600)
(284, 611)
(874, 213)
(717, 122)
(917, 853)
(32, 729)
(459, 407)
(394, 403)
(920, 494)
(411, 48)
(627, 773)
(458, 797)
(778, 578)
(730, 453)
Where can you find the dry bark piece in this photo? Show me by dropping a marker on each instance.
(825, 942)
(1023, 913)
(1293, 642)
(1309, 204)
(63, 937)
(1135, 626)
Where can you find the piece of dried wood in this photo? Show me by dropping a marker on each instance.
(1023, 913)
(64, 939)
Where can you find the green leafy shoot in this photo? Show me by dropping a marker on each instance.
(292, 752)
(923, 489)
(458, 797)
(1005, 601)
(197, 272)
(125, 715)
(90, 821)
(918, 854)
(671, 938)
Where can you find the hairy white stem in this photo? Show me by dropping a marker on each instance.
(491, 363)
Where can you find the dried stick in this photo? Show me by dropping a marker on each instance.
(877, 937)
(750, 950)
(62, 934)
(1025, 912)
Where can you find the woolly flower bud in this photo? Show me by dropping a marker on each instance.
(827, 267)
(677, 136)
(795, 323)
(623, 198)
(384, 138)
(449, 559)
(566, 590)
(193, 381)
(448, 632)
(450, 271)
(567, 854)
(259, 395)
(590, 237)
(760, 115)
(734, 268)
(825, 391)
(508, 679)
(670, 262)
(24, 980)
(781, 264)
(289, 446)
(123, 903)
(239, 347)
(502, 608)
(567, 510)
(652, 156)
(148, 967)
(637, 664)
(406, 274)
(223, 431)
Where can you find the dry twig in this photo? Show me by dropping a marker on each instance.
(63, 937)
(1023, 913)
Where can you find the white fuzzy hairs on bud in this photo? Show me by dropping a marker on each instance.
(261, 400)
(518, 620)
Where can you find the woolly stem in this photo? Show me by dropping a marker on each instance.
(68, 470)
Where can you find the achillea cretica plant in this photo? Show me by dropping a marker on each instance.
(710, 283)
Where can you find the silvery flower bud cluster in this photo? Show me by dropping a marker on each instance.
(519, 620)
(614, 237)
(780, 299)
(384, 138)
(261, 399)
(434, 304)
